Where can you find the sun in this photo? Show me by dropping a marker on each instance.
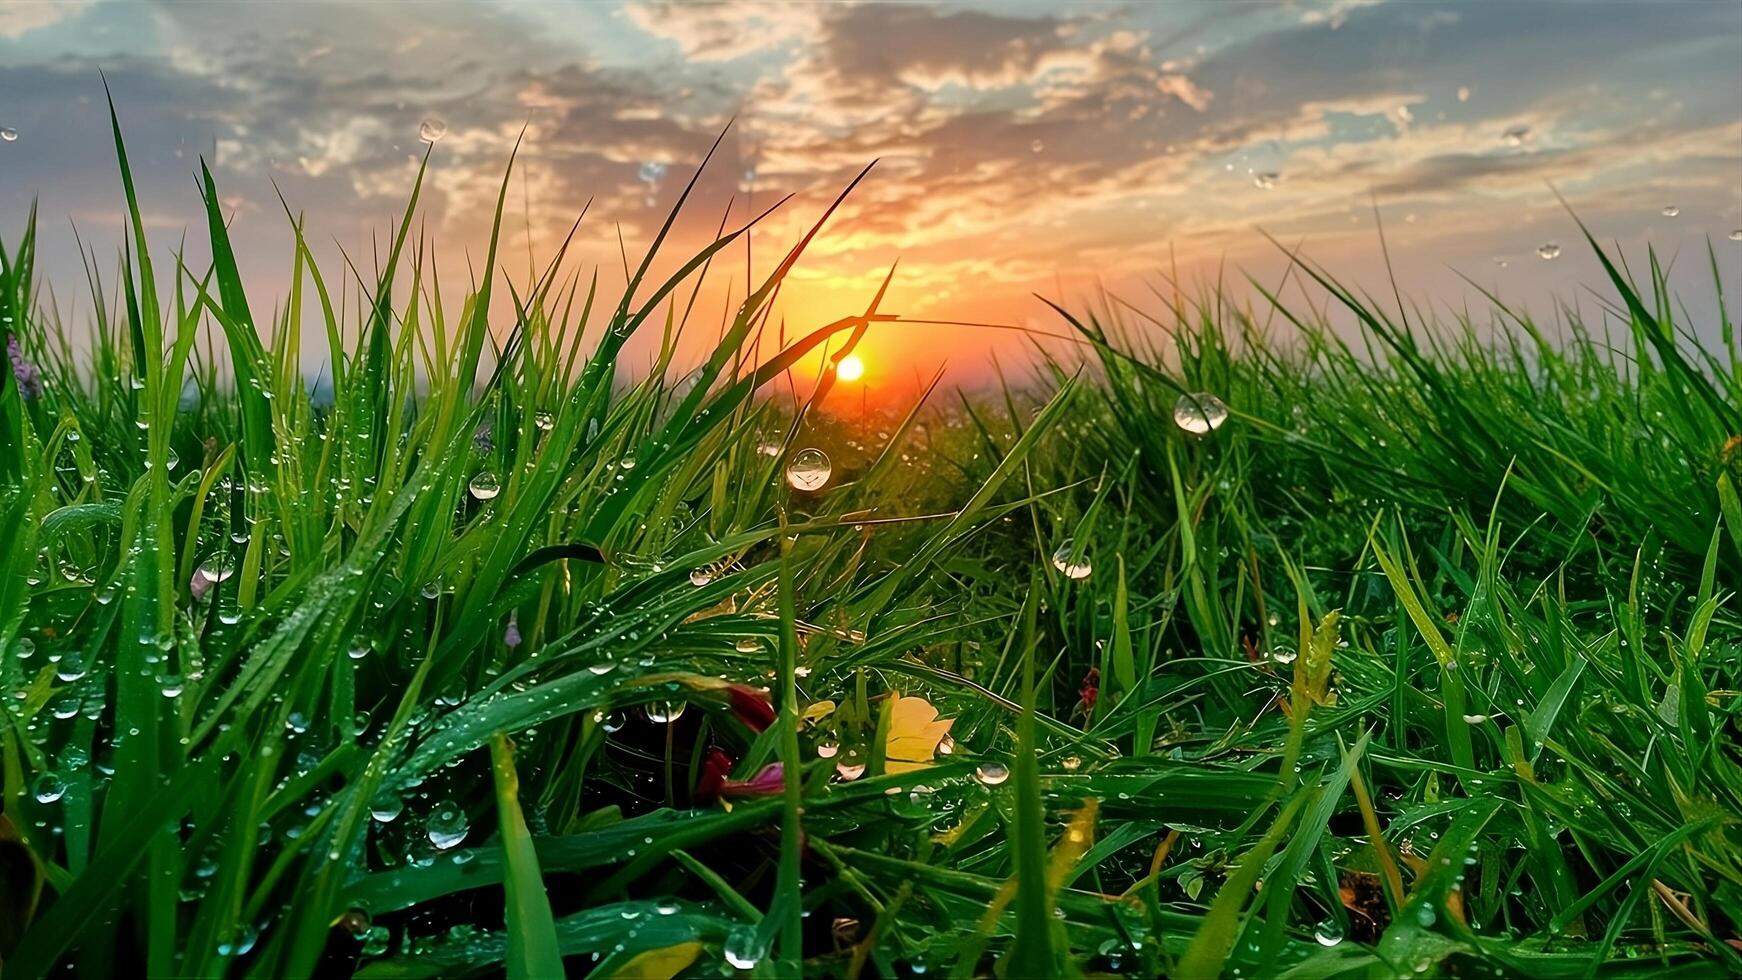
(850, 368)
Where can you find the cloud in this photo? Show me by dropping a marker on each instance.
(724, 31)
(20, 17)
(1015, 144)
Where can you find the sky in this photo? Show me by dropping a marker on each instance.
(1070, 150)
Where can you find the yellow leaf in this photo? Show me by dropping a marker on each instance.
(817, 710)
(659, 964)
(914, 733)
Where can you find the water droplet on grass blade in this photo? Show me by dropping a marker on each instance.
(701, 576)
(1671, 210)
(1199, 413)
(432, 129)
(447, 825)
(1549, 250)
(49, 787)
(665, 712)
(992, 773)
(1328, 933)
(386, 808)
(808, 470)
(485, 486)
(743, 947)
(1070, 563)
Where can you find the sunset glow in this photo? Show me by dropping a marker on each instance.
(851, 368)
(1020, 149)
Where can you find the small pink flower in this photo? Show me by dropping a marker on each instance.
(750, 706)
(200, 585)
(768, 781)
(716, 765)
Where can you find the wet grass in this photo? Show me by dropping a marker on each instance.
(1251, 649)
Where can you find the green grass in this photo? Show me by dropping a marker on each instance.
(1424, 661)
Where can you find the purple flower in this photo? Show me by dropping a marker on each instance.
(200, 585)
(29, 379)
(511, 635)
(768, 781)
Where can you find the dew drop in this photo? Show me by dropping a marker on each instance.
(1549, 250)
(432, 129)
(485, 486)
(1199, 413)
(808, 470)
(1071, 564)
(8, 134)
(665, 712)
(1328, 933)
(743, 948)
(1671, 210)
(447, 825)
(992, 773)
(49, 787)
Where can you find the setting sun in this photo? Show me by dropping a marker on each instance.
(851, 368)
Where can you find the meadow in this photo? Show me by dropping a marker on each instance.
(1257, 638)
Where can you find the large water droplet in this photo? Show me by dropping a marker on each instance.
(447, 825)
(992, 773)
(49, 787)
(665, 712)
(701, 576)
(1671, 210)
(1549, 250)
(1328, 933)
(1073, 564)
(218, 567)
(808, 470)
(8, 134)
(743, 947)
(432, 129)
(485, 486)
(1515, 135)
(1199, 413)
(386, 808)
(1265, 181)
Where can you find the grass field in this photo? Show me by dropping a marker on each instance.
(1251, 648)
